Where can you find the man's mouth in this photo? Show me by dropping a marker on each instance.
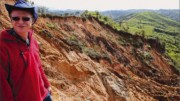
(21, 26)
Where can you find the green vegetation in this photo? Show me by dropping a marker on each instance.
(145, 57)
(91, 53)
(46, 33)
(122, 41)
(50, 25)
(73, 40)
(95, 53)
(101, 18)
(154, 25)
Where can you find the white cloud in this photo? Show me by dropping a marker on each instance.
(109, 4)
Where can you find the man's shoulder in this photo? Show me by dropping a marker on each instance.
(2, 32)
(5, 35)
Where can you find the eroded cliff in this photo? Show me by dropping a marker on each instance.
(86, 60)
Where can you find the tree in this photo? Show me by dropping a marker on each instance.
(77, 13)
(97, 13)
(106, 18)
(85, 14)
(42, 10)
(124, 27)
(66, 14)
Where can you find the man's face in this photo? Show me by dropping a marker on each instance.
(21, 21)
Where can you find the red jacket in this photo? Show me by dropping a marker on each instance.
(21, 74)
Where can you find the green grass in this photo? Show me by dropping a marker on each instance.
(170, 31)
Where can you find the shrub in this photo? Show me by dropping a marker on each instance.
(50, 25)
(122, 41)
(138, 43)
(46, 33)
(73, 40)
(148, 47)
(92, 53)
(145, 57)
(106, 57)
(124, 27)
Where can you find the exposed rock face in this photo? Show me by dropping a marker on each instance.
(86, 60)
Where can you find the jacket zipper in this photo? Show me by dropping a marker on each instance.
(24, 60)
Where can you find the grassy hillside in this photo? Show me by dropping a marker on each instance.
(150, 25)
(154, 25)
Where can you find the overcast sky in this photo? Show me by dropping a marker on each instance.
(109, 4)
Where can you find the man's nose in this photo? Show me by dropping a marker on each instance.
(21, 21)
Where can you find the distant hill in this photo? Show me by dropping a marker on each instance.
(68, 12)
(155, 25)
(118, 14)
(173, 14)
(152, 19)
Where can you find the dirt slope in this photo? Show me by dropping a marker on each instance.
(86, 60)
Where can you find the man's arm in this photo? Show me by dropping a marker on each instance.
(5, 88)
(46, 82)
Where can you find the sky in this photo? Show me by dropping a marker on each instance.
(102, 5)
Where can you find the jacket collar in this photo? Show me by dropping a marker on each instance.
(11, 35)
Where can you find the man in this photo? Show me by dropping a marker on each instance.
(21, 74)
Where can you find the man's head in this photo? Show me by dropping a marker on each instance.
(21, 20)
(22, 5)
(22, 16)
